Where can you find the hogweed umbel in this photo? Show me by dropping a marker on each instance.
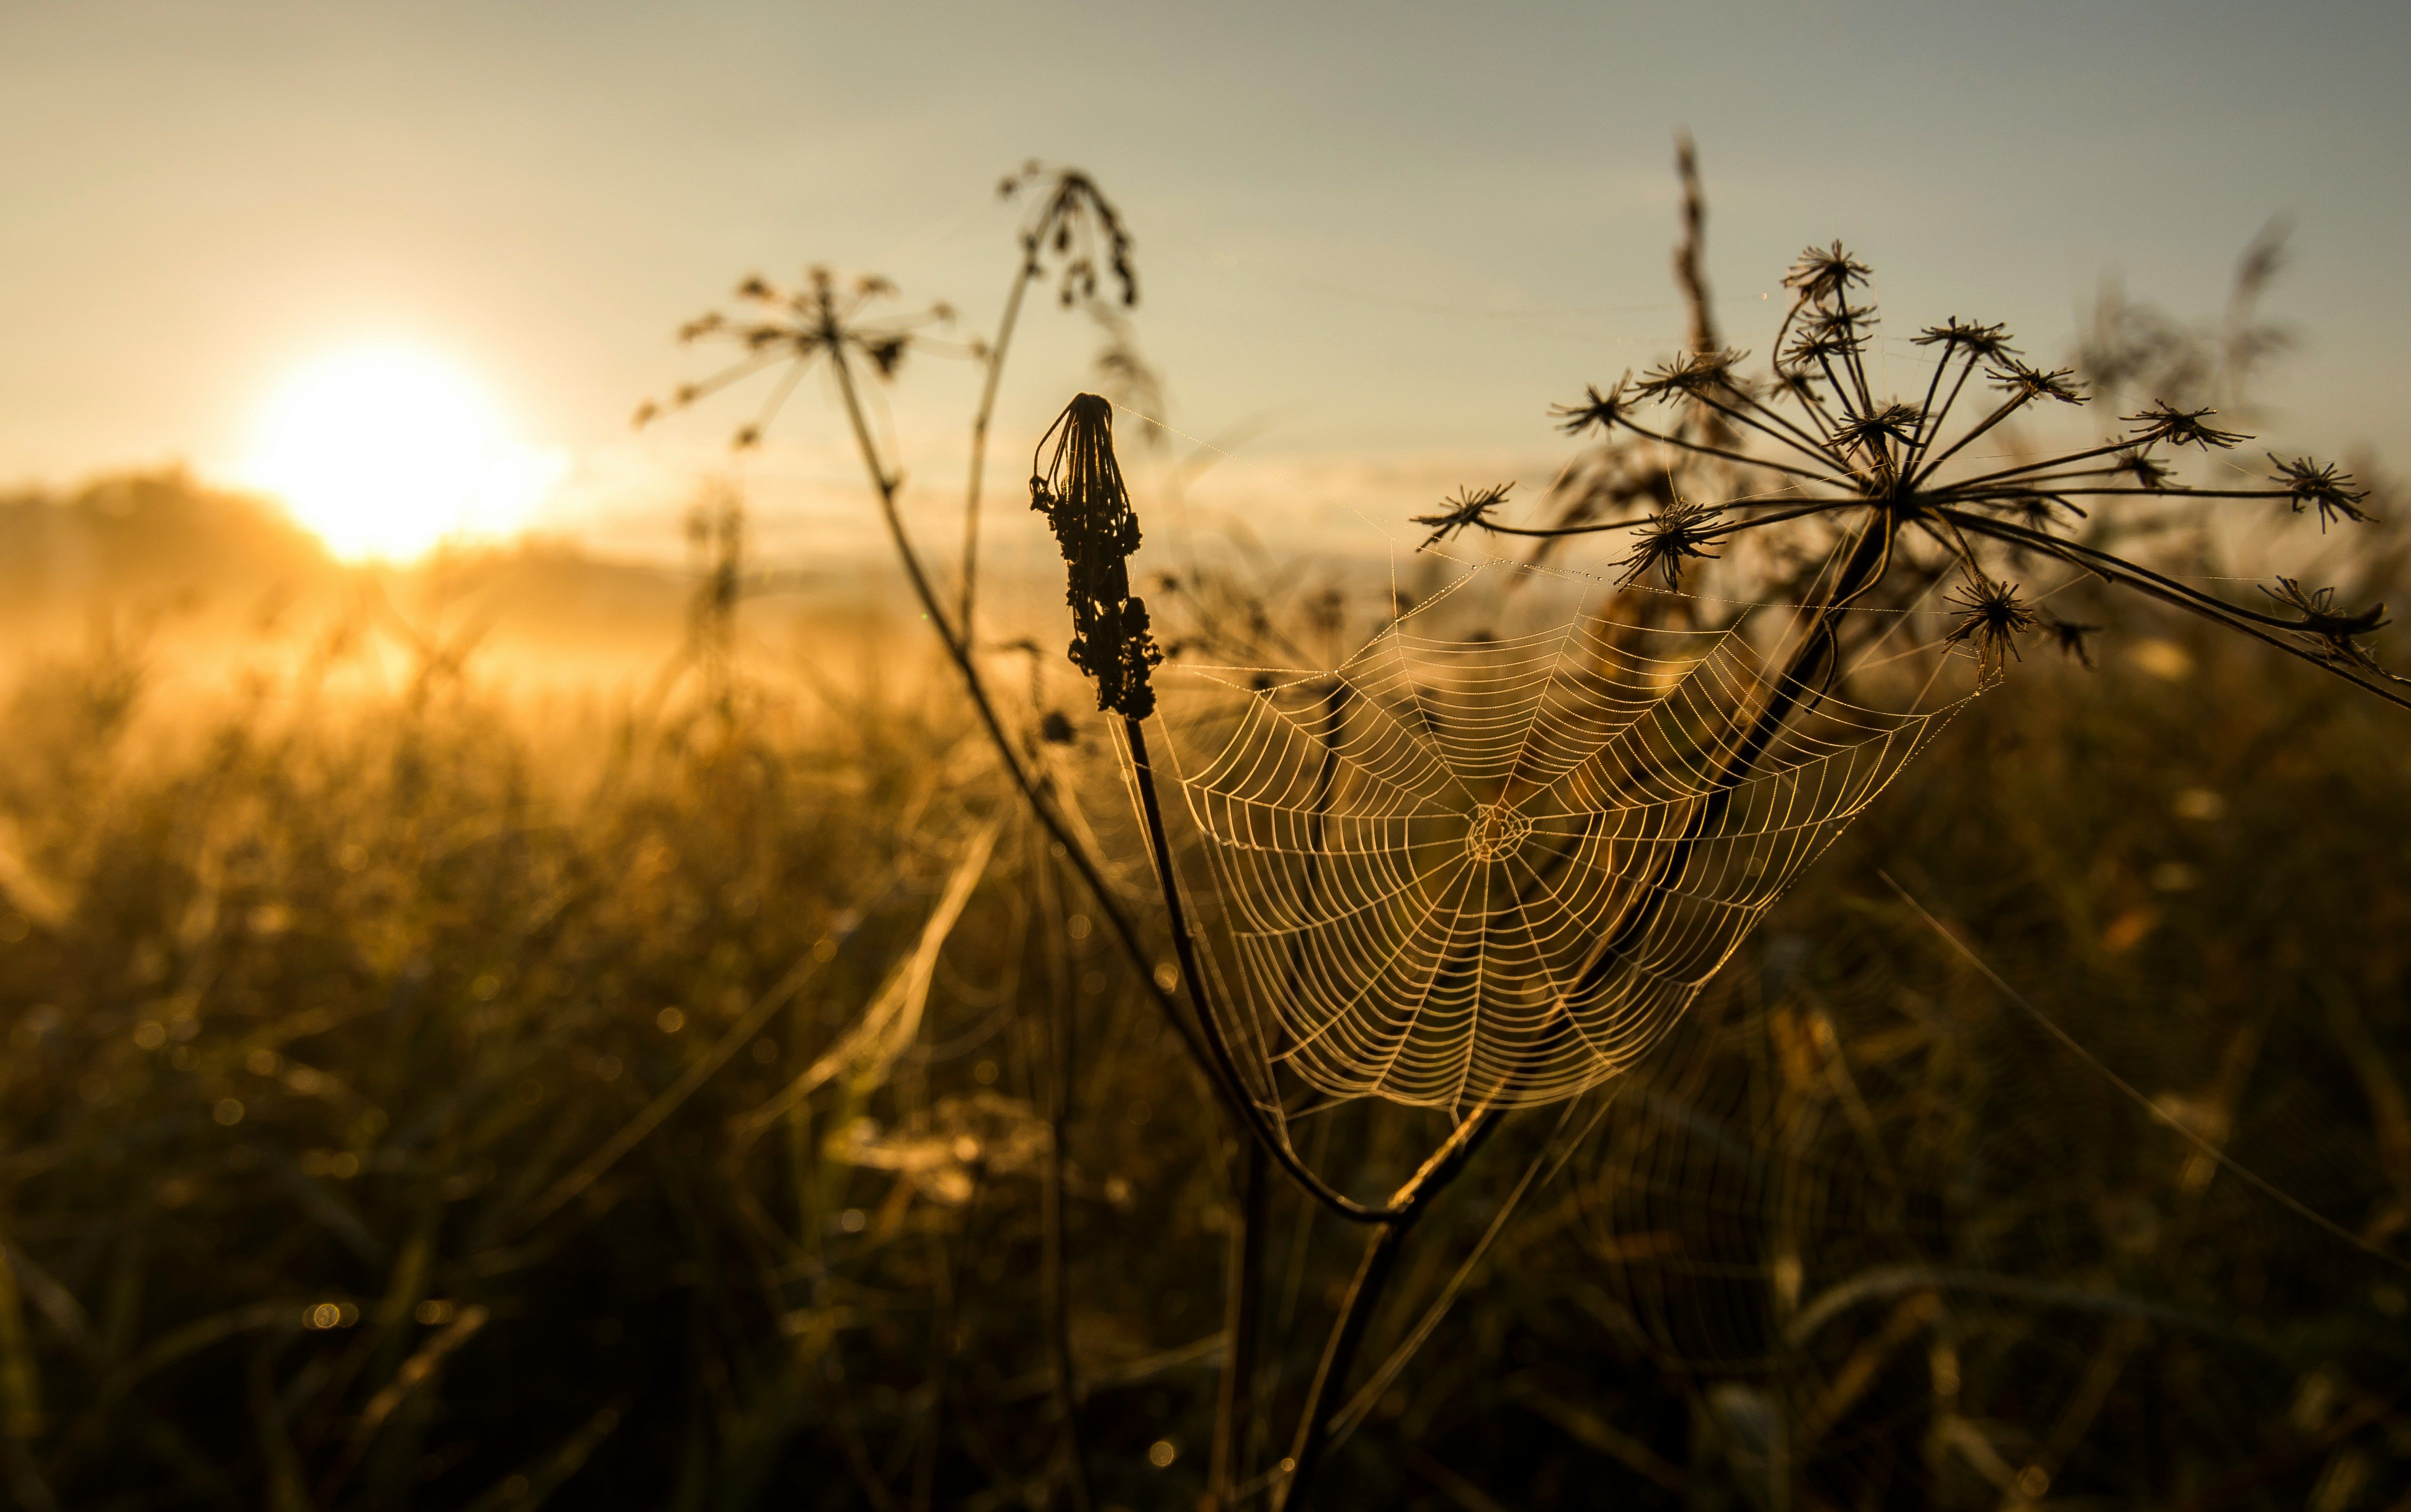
(1818, 438)
(790, 329)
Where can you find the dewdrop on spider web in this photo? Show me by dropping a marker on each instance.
(1458, 874)
(1421, 889)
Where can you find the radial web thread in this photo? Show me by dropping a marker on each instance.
(1497, 870)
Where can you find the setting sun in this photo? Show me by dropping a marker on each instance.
(386, 452)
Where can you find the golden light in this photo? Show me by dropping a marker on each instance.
(386, 452)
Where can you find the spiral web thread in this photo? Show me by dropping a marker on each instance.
(1419, 855)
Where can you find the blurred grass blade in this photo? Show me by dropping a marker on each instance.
(21, 1384)
(671, 1097)
(415, 1371)
(286, 1490)
(530, 1487)
(867, 1051)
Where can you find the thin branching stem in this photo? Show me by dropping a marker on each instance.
(1373, 1272)
(2008, 408)
(1926, 418)
(2263, 627)
(1796, 512)
(1913, 466)
(995, 375)
(1242, 1302)
(1803, 444)
(1817, 446)
(1125, 933)
(1954, 495)
(1184, 948)
(2109, 448)
(1747, 461)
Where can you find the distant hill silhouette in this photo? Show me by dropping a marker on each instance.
(212, 572)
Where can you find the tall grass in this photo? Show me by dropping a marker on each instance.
(310, 1011)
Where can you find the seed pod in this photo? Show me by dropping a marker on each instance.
(1081, 493)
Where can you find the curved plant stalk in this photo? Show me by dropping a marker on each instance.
(1028, 274)
(1226, 1065)
(1373, 1274)
(948, 1268)
(885, 485)
(1203, 1038)
(1242, 1301)
(1057, 1062)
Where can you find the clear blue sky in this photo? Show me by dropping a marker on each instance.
(1389, 232)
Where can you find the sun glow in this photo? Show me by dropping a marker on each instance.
(386, 451)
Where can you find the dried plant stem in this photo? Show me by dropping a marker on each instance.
(1184, 950)
(1868, 558)
(1021, 282)
(1203, 1038)
(1690, 268)
(959, 652)
(1242, 1304)
(1372, 1279)
(2270, 630)
(948, 1270)
(1053, 1294)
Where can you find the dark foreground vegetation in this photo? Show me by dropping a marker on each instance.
(422, 1089)
(425, 1101)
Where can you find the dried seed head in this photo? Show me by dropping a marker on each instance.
(1823, 343)
(1897, 423)
(1471, 508)
(1993, 617)
(1825, 272)
(2332, 631)
(1989, 343)
(1682, 529)
(2027, 382)
(2322, 487)
(794, 329)
(1081, 492)
(2181, 428)
(2039, 511)
(2072, 639)
(1597, 409)
(2146, 471)
(1847, 320)
(1072, 222)
(1688, 375)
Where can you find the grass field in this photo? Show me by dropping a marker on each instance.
(429, 1093)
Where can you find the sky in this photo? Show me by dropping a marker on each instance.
(1375, 243)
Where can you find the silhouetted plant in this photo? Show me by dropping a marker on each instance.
(1827, 446)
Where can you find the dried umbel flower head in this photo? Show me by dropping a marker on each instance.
(791, 328)
(2335, 631)
(2322, 487)
(2074, 640)
(2181, 427)
(1600, 411)
(1079, 490)
(1472, 506)
(1992, 618)
(1072, 222)
(1682, 529)
(1916, 498)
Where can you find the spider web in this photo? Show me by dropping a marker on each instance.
(1497, 870)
